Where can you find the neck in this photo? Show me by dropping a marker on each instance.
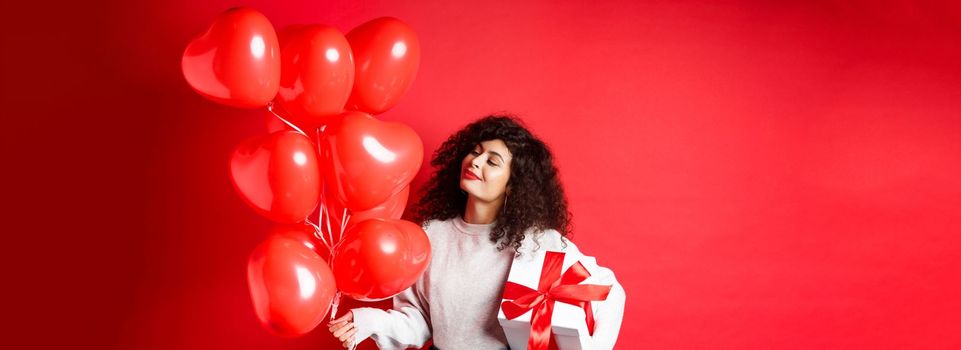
(480, 212)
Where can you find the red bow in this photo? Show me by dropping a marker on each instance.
(552, 287)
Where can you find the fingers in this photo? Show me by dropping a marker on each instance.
(341, 328)
(348, 338)
(335, 326)
(346, 327)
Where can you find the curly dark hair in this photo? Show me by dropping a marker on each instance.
(536, 198)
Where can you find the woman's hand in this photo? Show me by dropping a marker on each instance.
(343, 329)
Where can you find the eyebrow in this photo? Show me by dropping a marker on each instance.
(495, 153)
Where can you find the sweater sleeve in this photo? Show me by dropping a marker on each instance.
(608, 316)
(406, 325)
(609, 313)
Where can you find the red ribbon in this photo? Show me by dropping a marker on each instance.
(552, 287)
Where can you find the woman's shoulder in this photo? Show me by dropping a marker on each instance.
(429, 225)
(432, 227)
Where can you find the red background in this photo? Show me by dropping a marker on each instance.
(758, 175)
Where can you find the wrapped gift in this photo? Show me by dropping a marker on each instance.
(544, 308)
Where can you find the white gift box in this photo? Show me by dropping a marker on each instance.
(568, 323)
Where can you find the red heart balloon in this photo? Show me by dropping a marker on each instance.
(367, 160)
(393, 208)
(290, 285)
(317, 73)
(277, 175)
(387, 55)
(379, 258)
(237, 61)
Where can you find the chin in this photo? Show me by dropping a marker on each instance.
(470, 192)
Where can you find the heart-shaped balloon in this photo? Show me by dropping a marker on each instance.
(277, 175)
(393, 208)
(237, 61)
(290, 285)
(367, 161)
(387, 55)
(317, 73)
(379, 258)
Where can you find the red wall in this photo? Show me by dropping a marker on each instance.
(758, 176)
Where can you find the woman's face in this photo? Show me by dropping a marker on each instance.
(491, 162)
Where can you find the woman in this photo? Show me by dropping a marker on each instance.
(494, 196)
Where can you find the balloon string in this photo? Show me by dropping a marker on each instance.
(320, 214)
(324, 218)
(333, 307)
(318, 235)
(329, 230)
(320, 219)
(343, 224)
(323, 197)
(270, 107)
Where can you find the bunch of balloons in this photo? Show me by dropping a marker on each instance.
(325, 149)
